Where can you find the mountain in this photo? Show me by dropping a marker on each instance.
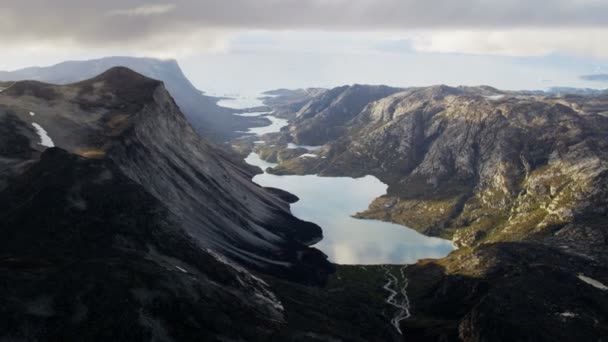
(133, 227)
(518, 181)
(210, 120)
(286, 100)
(321, 120)
(535, 163)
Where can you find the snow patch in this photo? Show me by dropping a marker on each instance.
(181, 269)
(45, 140)
(32, 113)
(309, 155)
(595, 283)
(260, 288)
(494, 97)
(568, 314)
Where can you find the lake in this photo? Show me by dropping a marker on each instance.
(330, 202)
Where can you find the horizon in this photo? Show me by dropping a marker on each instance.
(230, 89)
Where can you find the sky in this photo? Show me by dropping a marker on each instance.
(246, 45)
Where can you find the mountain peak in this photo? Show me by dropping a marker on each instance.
(443, 90)
(120, 77)
(202, 111)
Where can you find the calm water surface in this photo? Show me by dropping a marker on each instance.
(330, 202)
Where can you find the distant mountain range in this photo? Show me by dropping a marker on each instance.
(562, 91)
(210, 120)
(595, 77)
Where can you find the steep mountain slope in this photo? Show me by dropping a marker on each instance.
(87, 254)
(322, 119)
(210, 120)
(134, 228)
(132, 120)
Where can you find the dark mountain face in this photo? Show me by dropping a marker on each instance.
(88, 254)
(211, 121)
(135, 227)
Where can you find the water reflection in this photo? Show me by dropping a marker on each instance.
(330, 202)
(252, 114)
(275, 126)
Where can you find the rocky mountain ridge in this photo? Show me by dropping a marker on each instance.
(213, 122)
(134, 227)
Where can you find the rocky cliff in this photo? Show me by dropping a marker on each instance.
(322, 118)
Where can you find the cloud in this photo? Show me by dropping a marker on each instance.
(188, 25)
(595, 77)
(587, 42)
(145, 10)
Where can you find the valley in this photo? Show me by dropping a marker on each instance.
(303, 171)
(300, 218)
(444, 294)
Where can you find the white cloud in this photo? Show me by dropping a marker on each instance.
(144, 11)
(177, 27)
(587, 42)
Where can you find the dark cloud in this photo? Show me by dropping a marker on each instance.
(131, 21)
